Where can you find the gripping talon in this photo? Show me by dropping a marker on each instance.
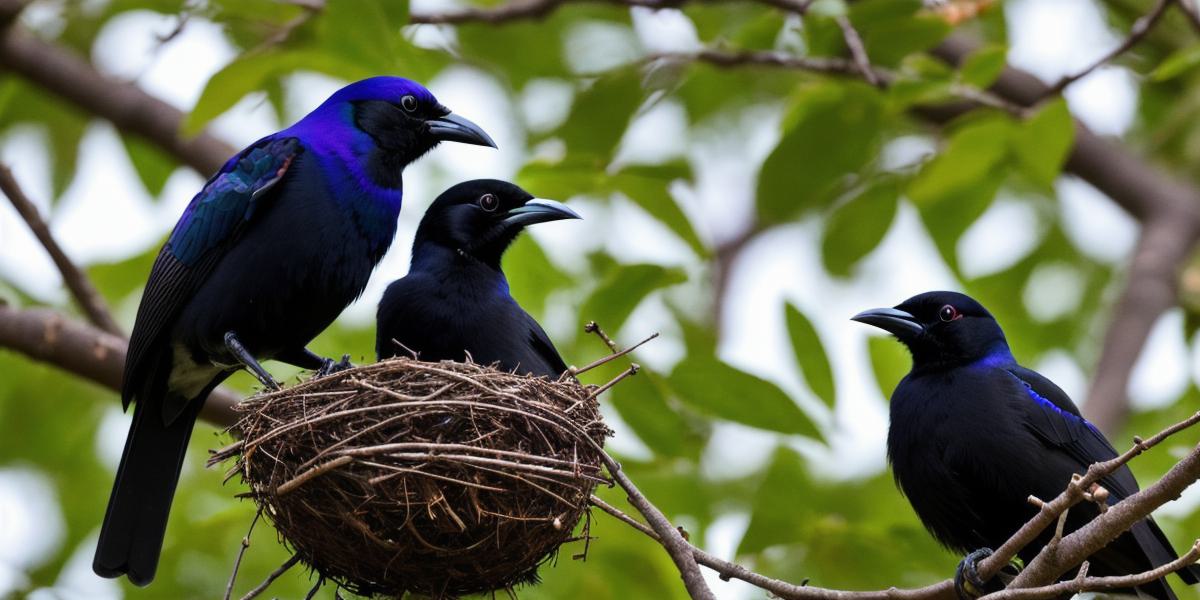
(328, 367)
(967, 582)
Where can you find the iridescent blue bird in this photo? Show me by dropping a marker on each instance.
(263, 259)
(454, 303)
(973, 434)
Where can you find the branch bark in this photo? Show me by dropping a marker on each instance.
(45, 335)
(85, 294)
(62, 72)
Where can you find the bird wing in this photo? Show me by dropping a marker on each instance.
(543, 347)
(1052, 416)
(213, 220)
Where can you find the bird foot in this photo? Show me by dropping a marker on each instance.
(329, 367)
(967, 582)
(243, 356)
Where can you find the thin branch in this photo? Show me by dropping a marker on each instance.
(1137, 33)
(47, 336)
(85, 294)
(262, 587)
(1052, 562)
(237, 562)
(63, 73)
(857, 50)
(670, 537)
(1083, 583)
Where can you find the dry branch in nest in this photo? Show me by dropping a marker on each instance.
(442, 479)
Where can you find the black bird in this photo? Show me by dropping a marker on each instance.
(266, 256)
(973, 434)
(454, 302)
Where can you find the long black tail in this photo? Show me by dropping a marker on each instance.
(131, 537)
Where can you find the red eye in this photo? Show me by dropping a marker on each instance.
(949, 313)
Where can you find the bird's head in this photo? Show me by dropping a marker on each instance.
(479, 219)
(403, 118)
(941, 329)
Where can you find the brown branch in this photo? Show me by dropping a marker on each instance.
(65, 74)
(85, 294)
(1169, 210)
(1137, 33)
(539, 9)
(1052, 562)
(46, 336)
(262, 587)
(1083, 583)
(858, 51)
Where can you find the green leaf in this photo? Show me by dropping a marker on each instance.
(971, 153)
(773, 521)
(153, 166)
(983, 66)
(948, 220)
(649, 188)
(890, 41)
(642, 403)
(600, 116)
(856, 227)
(889, 361)
(716, 388)
(1179, 62)
(810, 355)
(623, 290)
(363, 32)
(233, 82)
(831, 131)
(1042, 143)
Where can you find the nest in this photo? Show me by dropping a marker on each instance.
(441, 479)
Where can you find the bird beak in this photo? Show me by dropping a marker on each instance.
(538, 210)
(895, 321)
(453, 128)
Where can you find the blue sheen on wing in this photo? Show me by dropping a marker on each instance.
(998, 357)
(1048, 404)
(230, 197)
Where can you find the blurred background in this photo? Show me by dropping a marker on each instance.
(744, 212)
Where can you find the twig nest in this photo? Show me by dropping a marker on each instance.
(443, 479)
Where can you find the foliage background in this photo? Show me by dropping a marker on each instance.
(744, 213)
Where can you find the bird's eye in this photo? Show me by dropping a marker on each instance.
(948, 313)
(489, 202)
(408, 103)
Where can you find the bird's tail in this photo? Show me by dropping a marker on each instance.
(131, 537)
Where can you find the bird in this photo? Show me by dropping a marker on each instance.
(454, 303)
(973, 434)
(274, 246)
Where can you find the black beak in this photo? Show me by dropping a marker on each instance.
(895, 321)
(453, 128)
(538, 210)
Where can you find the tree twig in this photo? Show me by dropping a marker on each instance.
(237, 562)
(857, 50)
(1083, 583)
(1137, 33)
(85, 294)
(262, 587)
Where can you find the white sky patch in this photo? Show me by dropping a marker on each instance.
(666, 30)
(721, 540)
(1161, 372)
(655, 136)
(1063, 370)
(76, 581)
(545, 103)
(1106, 99)
(1094, 224)
(23, 260)
(176, 72)
(907, 151)
(1007, 232)
(31, 522)
(598, 46)
(734, 450)
(1053, 291)
(110, 436)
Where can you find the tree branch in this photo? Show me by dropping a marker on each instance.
(1137, 33)
(72, 78)
(98, 356)
(1052, 562)
(1083, 583)
(858, 50)
(85, 294)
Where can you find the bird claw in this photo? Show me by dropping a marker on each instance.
(967, 582)
(328, 367)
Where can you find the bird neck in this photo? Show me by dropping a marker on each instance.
(937, 359)
(455, 265)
